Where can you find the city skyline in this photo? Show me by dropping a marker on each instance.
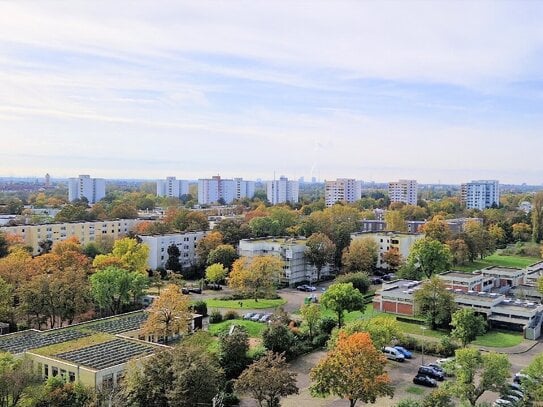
(372, 91)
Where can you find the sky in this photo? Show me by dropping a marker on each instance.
(433, 90)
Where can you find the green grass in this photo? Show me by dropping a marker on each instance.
(499, 339)
(499, 260)
(254, 329)
(419, 391)
(247, 304)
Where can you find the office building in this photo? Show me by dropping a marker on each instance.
(404, 190)
(217, 190)
(93, 189)
(158, 248)
(342, 190)
(172, 188)
(481, 194)
(282, 191)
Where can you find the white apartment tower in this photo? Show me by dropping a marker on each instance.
(481, 194)
(211, 190)
(172, 188)
(342, 190)
(84, 186)
(282, 190)
(405, 190)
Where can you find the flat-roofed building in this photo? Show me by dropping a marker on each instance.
(404, 190)
(467, 281)
(396, 297)
(371, 225)
(158, 248)
(480, 194)
(93, 189)
(342, 190)
(172, 187)
(216, 189)
(282, 191)
(505, 276)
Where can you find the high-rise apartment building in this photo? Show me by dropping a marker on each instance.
(481, 194)
(405, 190)
(342, 190)
(172, 187)
(84, 186)
(215, 189)
(282, 190)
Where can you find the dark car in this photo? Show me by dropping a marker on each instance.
(424, 380)
(388, 277)
(195, 290)
(185, 290)
(435, 366)
(431, 372)
(376, 280)
(306, 288)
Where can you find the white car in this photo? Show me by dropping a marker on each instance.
(394, 354)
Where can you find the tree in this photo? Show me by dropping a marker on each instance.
(467, 325)
(437, 229)
(479, 240)
(127, 253)
(123, 210)
(168, 315)
(113, 288)
(521, 231)
(382, 330)
(15, 376)
(233, 230)
(6, 301)
(4, 247)
(216, 273)
(342, 297)
(206, 244)
(537, 217)
(225, 254)
(360, 281)
(395, 221)
(534, 388)
(278, 338)
(173, 259)
(311, 314)
(428, 257)
(267, 380)
(185, 376)
(392, 258)
(361, 255)
(434, 302)
(459, 251)
(320, 251)
(257, 277)
(264, 226)
(353, 370)
(233, 348)
(497, 233)
(477, 373)
(58, 393)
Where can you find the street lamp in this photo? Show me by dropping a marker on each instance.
(423, 338)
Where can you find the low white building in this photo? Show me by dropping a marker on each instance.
(158, 248)
(291, 250)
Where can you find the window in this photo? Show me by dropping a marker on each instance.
(54, 371)
(107, 381)
(46, 371)
(71, 377)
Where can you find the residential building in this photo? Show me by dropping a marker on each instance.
(282, 190)
(480, 194)
(158, 248)
(93, 189)
(292, 251)
(402, 242)
(214, 190)
(404, 190)
(467, 281)
(372, 225)
(172, 187)
(85, 232)
(342, 190)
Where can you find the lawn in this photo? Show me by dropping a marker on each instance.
(419, 391)
(499, 339)
(254, 329)
(245, 304)
(499, 260)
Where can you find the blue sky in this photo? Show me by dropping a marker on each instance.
(437, 91)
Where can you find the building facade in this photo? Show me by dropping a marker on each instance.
(404, 190)
(292, 251)
(85, 232)
(158, 248)
(480, 194)
(342, 190)
(93, 189)
(282, 191)
(172, 187)
(213, 190)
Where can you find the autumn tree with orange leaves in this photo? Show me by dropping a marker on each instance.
(353, 370)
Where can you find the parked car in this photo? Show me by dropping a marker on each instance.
(249, 315)
(376, 280)
(436, 367)
(444, 361)
(388, 277)
(185, 290)
(405, 352)
(431, 372)
(195, 290)
(515, 386)
(256, 317)
(520, 377)
(306, 288)
(502, 403)
(265, 318)
(511, 398)
(424, 380)
(514, 392)
(393, 354)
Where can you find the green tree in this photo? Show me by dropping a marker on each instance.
(479, 240)
(360, 281)
(233, 230)
(16, 375)
(353, 370)
(267, 380)
(264, 226)
(434, 302)
(233, 348)
(467, 325)
(127, 253)
(320, 251)
(382, 330)
(3, 245)
(311, 314)
(58, 393)
(114, 288)
(342, 297)
(278, 338)
(476, 373)
(460, 252)
(428, 257)
(537, 217)
(216, 273)
(534, 388)
(224, 254)
(395, 221)
(361, 255)
(173, 259)
(437, 229)
(6, 300)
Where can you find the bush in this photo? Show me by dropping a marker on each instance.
(326, 325)
(300, 347)
(230, 314)
(320, 340)
(361, 281)
(447, 346)
(278, 338)
(200, 307)
(215, 317)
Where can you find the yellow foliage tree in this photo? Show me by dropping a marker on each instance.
(256, 278)
(127, 253)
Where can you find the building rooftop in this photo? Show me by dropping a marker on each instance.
(512, 305)
(19, 342)
(459, 274)
(502, 270)
(280, 240)
(479, 295)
